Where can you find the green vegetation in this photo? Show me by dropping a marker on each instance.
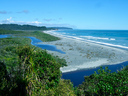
(8, 47)
(28, 27)
(2, 31)
(105, 84)
(21, 27)
(26, 70)
(39, 35)
(32, 72)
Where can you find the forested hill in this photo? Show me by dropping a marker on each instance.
(21, 27)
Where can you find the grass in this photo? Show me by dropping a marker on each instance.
(8, 45)
(38, 34)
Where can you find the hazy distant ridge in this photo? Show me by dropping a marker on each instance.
(21, 27)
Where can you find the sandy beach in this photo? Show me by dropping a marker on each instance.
(82, 55)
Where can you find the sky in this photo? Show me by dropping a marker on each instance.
(77, 14)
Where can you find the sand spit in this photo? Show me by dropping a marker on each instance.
(81, 54)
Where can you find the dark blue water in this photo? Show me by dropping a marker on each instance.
(77, 77)
(35, 41)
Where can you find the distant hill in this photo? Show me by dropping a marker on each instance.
(21, 27)
(60, 28)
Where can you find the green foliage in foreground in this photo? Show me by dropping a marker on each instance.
(28, 70)
(8, 48)
(35, 74)
(105, 84)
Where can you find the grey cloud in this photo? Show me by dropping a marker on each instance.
(48, 20)
(24, 11)
(3, 12)
(37, 23)
(11, 21)
(60, 18)
(6, 21)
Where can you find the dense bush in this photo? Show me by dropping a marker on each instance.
(36, 73)
(38, 34)
(105, 84)
(27, 70)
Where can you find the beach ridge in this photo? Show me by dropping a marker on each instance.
(84, 54)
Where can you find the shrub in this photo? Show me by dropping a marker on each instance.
(105, 84)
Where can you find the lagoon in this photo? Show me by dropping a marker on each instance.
(35, 41)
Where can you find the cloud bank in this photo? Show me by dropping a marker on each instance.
(36, 23)
(6, 12)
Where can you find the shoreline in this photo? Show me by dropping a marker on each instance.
(85, 55)
(74, 75)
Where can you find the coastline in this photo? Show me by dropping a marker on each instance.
(85, 55)
(77, 77)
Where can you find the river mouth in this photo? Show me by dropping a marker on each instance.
(77, 77)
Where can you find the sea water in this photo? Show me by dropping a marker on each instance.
(114, 38)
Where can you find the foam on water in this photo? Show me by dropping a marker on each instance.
(112, 39)
(106, 40)
(91, 37)
(98, 40)
(85, 65)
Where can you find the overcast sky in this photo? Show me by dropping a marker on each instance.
(79, 14)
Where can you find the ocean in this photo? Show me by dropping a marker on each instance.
(114, 38)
